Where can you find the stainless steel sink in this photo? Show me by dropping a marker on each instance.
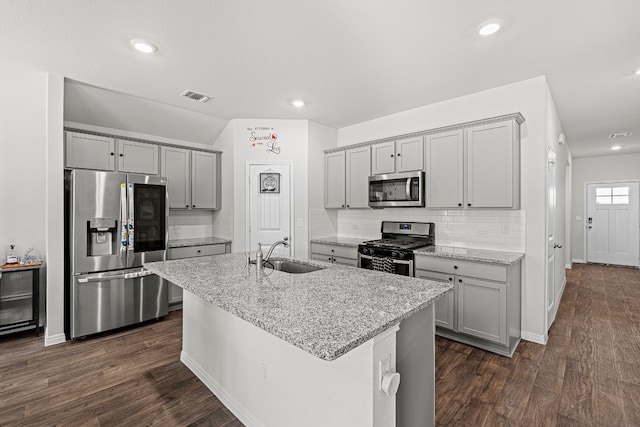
(291, 266)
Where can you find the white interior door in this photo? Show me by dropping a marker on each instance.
(551, 235)
(269, 206)
(612, 223)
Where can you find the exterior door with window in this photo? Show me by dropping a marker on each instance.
(612, 223)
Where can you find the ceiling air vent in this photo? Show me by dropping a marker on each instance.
(200, 97)
(619, 135)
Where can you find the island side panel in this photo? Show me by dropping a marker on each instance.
(268, 382)
(416, 365)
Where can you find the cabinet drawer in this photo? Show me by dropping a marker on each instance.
(334, 250)
(463, 268)
(195, 251)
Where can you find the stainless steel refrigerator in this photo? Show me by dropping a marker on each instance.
(113, 223)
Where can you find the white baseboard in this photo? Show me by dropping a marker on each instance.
(536, 338)
(568, 266)
(54, 339)
(579, 261)
(227, 400)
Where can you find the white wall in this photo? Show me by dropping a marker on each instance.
(31, 209)
(322, 222)
(224, 219)
(527, 97)
(622, 167)
(23, 136)
(293, 143)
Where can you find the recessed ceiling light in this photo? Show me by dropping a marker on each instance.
(489, 27)
(615, 147)
(638, 72)
(143, 46)
(298, 103)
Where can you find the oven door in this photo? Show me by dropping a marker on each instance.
(403, 267)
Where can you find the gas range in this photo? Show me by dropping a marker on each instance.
(393, 253)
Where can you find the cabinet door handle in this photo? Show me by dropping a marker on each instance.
(451, 279)
(347, 205)
(398, 155)
(193, 206)
(199, 251)
(460, 204)
(391, 155)
(468, 204)
(455, 267)
(187, 206)
(121, 155)
(113, 154)
(460, 280)
(343, 206)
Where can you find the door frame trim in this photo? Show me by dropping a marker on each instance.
(247, 215)
(585, 209)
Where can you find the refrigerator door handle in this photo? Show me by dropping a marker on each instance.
(124, 235)
(130, 216)
(134, 275)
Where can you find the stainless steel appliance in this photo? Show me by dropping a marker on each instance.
(393, 253)
(114, 222)
(404, 189)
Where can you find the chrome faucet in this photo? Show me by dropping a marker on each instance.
(261, 259)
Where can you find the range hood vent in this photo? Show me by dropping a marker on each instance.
(200, 97)
(619, 135)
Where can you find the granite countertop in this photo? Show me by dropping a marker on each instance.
(200, 241)
(340, 241)
(478, 255)
(325, 313)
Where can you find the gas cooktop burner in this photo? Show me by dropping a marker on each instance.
(407, 244)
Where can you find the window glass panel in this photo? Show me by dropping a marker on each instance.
(621, 191)
(620, 200)
(603, 191)
(603, 200)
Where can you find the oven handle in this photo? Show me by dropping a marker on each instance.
(395, 261)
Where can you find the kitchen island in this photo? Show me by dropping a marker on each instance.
(308, 349)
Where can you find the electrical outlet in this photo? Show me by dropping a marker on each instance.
(299, 222)
(505, 228)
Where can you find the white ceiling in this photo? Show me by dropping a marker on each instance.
(353, 60)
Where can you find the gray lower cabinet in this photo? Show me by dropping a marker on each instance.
(484, 308)
(336, 254)
(175, 292)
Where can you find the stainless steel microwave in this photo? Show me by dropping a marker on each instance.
(396, 190)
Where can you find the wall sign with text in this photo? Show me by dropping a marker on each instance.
(265, 137)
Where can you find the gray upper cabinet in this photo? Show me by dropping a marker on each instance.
(493, 166)
(137, 157)
(84, 151)
(175, 166)
(444, 169)
(334, 180)
(358, 164)
(477, 167)
(347, 178)
(193, 178)
(402, 155)
(205, 181)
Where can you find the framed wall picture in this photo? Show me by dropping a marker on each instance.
(270, 182)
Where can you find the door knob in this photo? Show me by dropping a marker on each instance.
(556, 246)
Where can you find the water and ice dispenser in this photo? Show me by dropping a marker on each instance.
(102, 236)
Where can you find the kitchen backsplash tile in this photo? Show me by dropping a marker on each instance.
(190, 224)
(475, 229)
(322, 223)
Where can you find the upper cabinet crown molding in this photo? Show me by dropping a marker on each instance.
(518, 117)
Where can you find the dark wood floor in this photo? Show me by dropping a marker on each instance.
(587, 375)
